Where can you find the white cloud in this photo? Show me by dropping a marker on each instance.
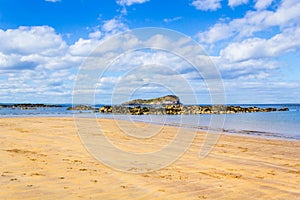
(287, 14)
(83, 47)
(114, 26)
(159, 40)
(167, 20)
(250, 53)
(262, 4)
(212, 5)
(234, 3)
(254, 48)
(130, 2)
(218, 32)
(251, 69)
(35, 63)
(27, 40)
(95, 35)
(28, 48)
(207, 5)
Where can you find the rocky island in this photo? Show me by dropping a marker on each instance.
(170, 105)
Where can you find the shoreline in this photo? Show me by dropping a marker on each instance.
(246, 133)
(44, 158)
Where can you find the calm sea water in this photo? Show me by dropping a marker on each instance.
(272, 124)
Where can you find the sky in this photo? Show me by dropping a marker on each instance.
(254, 44)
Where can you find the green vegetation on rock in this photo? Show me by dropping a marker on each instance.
(165, 100)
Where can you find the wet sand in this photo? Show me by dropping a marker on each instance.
(43, 158)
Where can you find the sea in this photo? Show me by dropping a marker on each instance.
(284, 125)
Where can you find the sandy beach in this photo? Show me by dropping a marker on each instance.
(43, 158)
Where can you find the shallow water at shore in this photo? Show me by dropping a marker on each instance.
(285, 125)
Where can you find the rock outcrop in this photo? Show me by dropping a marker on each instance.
(165, 100)
(80, 107)
(178, 109)
(283, 109)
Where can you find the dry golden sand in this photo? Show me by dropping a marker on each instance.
(43, 158)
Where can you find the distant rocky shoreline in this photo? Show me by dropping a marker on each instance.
(175, 109)
(28, 106)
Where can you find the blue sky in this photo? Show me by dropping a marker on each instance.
(255, 44)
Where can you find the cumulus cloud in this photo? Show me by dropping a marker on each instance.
(114, 26)
(207, 5)
(254, 48)
(252, 69)
(218, 32)
(35, 63)
(262, 4)
(83, 47)
(32, 47)
(95, 35)
(234, 3)
(287, 14)
(248, 50)
(27, 40)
